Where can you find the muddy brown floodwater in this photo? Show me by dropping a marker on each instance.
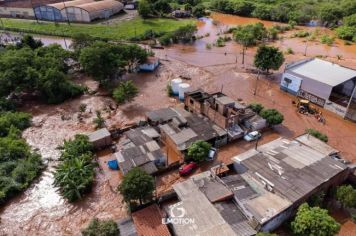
(42, 211)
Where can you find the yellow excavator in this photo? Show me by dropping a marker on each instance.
(304, 106)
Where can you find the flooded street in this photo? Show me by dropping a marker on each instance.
(42, 211)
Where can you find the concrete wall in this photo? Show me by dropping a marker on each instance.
(294, 86)
(173, 154)
(316, 88)
(333, 107)
(17, 12)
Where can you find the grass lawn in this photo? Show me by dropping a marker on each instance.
(120, 31)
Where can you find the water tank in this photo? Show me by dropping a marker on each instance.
(183, 87)
(175, 85)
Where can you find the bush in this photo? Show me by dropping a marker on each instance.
(101, 228)
(346, 195)
(301, 34)
(326, 39)
(272, 116)
(125, 92)
(199, 150)
(290, 51)
(169, 90)
(256, 107)
(75, 174)
(19, 120)
(314, 221)
(317, 134)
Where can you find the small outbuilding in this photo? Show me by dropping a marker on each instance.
(150, 65)
(323, 83)
(100, 138)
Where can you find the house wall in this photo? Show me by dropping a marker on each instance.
(339, 110)
(292, 87)
(172, 152)
(316, 88)
(216, 117)
(17, 12)
(193, 106)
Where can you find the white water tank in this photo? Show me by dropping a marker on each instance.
(175, 85)
(183, 87)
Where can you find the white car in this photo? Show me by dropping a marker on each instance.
(212, 154)
(254, 135)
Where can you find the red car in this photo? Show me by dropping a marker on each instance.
(187, 169)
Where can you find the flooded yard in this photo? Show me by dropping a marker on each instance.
(42, 211)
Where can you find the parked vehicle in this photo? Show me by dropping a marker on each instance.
(212, 154)
(252, 136)
(187, 169)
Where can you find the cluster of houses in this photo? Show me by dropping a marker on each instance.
(168, 132)
(262, 189)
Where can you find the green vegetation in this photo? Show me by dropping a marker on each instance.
(41, 71)
(19, 166)
(107, 61)
(199, 150)
(326, 39)
(272, 116)
(121, 31)
(169, 90)
(346, 195)
(256, 107)
(311, 221)
(301, 34)
(317, 134)
(99, 121)
(348, 30)
(268, 57)
(101, 228)
(125, 92)
(289, 51)
(183, 34)
(299, 11)
(75, 174)
(265, 234)
(137, 185)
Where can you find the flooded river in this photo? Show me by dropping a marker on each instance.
(42, 211)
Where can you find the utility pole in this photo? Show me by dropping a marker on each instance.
(255, 91)
(64, 5)
(306, 47)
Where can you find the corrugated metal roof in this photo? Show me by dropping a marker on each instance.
(323, 71)
(100, 5)
(62, 5)
(99, 134)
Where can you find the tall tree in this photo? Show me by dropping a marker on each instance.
(311, 221)
(137, 185)
(346, 195)
(268, 57)
(199, 150)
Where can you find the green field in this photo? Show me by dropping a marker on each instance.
(120, 31)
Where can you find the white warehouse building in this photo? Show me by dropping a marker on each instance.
(79, 10)
(323, 83)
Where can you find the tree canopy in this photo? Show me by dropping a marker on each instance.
(346, 195)
(19, 166)
(137, 185)
(199, 150)
(125, 92)
(272, 116)
(268, 57)
(107, 61)
(42, 71)
(98, 227)
(311, 221)
(75, 174)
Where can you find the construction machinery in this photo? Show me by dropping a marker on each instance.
(304, 107)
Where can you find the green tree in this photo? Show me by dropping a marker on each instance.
(133, 55)
(256, 107)
(125, 92)
(144, 9)
(346, 195)
(198, 10)
(199, 150)
(80, 41)
(311, 221)
(74, 175)
(102, 61)
(330, 14)
(268, 57)
(99, 121)
(265, 234)
(272, 116)
(137, 185)
(29, 41)
(249, 35)
(101, 228)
